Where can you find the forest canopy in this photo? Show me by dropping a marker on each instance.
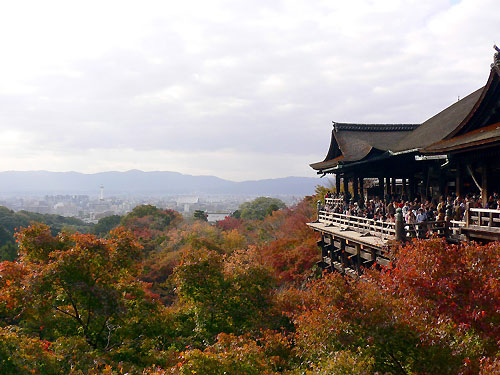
(158, 294)
(259, 208)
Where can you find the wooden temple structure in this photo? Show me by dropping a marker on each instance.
(457, 151)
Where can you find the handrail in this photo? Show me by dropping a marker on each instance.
(334, 200)
(420, 230)
(382, 229)
(359, 224)
(475, 218)
(486, 210)
(482, 217)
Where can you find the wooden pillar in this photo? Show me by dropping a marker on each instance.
(361, 189)
(425, 183)
(411, 182)
(346, 187)
(337, 184)
(381, 189)
(442, 184)
(355, 188)
(358, 259)
(393, 186)
(343, 255)
(484, 186)
(387, 185)
(459, 180)
(405, 188)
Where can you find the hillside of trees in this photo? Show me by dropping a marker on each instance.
(153, 293)
(11, 221)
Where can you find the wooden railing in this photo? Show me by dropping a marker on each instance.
(482, 217)
(359, 224)
(334, 201)
(382, 229)
(485, 220)
(427, 228)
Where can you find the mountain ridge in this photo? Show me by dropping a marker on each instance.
(154, 182)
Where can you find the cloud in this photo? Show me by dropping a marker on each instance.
(222, 87)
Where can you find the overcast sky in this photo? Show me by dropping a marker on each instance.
(237, 89)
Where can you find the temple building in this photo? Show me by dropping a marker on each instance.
(455, 151)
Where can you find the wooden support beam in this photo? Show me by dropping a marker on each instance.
(459, 179)
(411, 182)
(425, 183)
(346, 187)
(355, 188)
(361, 189)
(484, 185)
(337, 184)
(381, 189)
(358, 258)
(343, 259)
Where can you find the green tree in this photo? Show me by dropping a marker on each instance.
(10, 221)
(260, 208)
(150, 217)
(200, 215)
(22, 355)
(106, 224)
(232, 296)
(8, 252)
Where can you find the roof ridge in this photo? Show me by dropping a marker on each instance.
(373, 127)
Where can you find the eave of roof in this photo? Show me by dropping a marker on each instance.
(486, 135)
(353, 142)
(319, 166)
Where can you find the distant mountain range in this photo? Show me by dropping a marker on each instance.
(147, 183)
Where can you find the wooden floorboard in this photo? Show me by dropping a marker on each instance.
(368, 240)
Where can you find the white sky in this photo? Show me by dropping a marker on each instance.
(238, 89)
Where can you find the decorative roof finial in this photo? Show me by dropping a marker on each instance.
(496, 57)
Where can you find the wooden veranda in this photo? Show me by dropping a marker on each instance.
(350, 243)
(454, 154)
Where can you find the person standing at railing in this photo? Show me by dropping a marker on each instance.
(492, 203)
(319, 208)
(441, 208)
(391, 210)
(421, 216)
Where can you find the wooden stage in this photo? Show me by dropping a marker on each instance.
(350, 243)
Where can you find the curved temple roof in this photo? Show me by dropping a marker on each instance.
(472, 121)
(353, 142)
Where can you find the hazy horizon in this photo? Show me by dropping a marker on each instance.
(156, 171)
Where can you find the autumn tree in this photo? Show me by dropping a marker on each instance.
(76, 285)
(232, 296)
(149, 224)
(241, 355)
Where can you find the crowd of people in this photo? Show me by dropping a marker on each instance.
(414, 211)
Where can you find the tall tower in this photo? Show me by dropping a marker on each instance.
(101, 197)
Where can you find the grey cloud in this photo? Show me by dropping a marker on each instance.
(254, 85)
